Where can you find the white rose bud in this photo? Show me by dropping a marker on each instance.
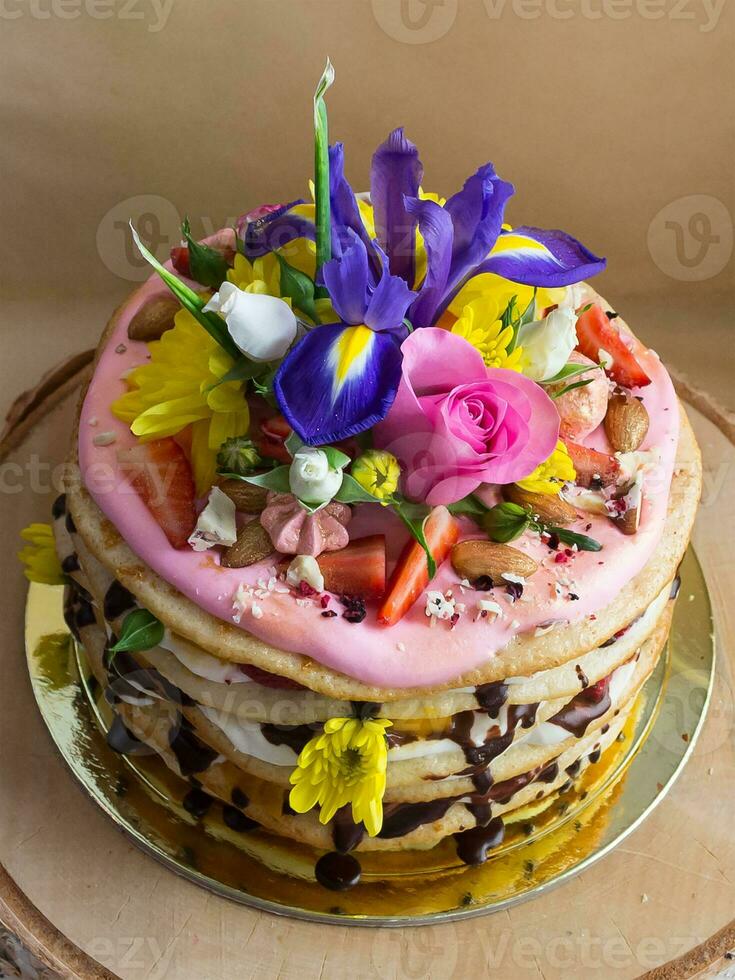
(548, 343)
(311, 478)
(263, 327)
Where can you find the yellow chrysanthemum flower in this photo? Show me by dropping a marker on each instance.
(481, 326)
(552, 474)
(180, 387)
(378, 472)
(262, 276)
(346, 763)
(39, 556)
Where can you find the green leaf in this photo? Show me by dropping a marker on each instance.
(566, 388)
(207, 265)
(244, 370)
(468, 505)
(298, 287)
(336, 458)
(529, 314)
(505, 522)
(584, 309)
(276, 479)
(191, 301)
(351, 492)
(583, 542)
(322, 211)
(293, 443)
(416, 528)
(140, 631)
(570, 370)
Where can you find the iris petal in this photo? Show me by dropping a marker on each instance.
(436, 229)
(396, 174)
(542, 258)
(339, 380)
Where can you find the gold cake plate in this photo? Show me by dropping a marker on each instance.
(545, 844)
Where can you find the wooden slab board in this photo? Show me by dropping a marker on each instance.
(90, 905)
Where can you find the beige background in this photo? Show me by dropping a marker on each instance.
(602, 112)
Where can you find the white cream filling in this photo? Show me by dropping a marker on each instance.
(202, 664)
(248, 738)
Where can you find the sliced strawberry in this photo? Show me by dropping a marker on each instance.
(266, 679)
(593, 467)
(596, 692)
(160, 472)
(594, 333)
(180, 260)
(272, 441)
(411, 575)
(357, 570)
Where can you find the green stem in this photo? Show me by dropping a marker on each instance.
(321, 175)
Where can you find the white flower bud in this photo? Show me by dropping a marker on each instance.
(548, 343)
(263, 327)
(311, 478)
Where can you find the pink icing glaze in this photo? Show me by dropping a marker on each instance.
(410, 653)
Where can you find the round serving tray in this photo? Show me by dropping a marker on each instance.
(544, 846)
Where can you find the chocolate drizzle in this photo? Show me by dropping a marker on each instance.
(197, 802)
(117, 601)
(581, 711)
(346, 834)
(236, 820)
(58, 508)
(492, 697)
(473, 844)
(403, 818)
(294, 736)
(337, 872)
(191, 753)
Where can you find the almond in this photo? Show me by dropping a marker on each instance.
(549, 508)
(626, 422)
(253, 544)
(245, 496)
(473, 559)
(628, 518)
(154, 318)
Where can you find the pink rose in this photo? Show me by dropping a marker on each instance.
(456, 424)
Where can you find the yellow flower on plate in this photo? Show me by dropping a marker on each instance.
(481, 326)
(346, 763)
(378, 472)
(181, 386)
(39, 555)
(552, 474)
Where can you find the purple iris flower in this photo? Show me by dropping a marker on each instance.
(342, 378)
(373, 284)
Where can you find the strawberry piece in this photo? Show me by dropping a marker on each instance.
(596, 692)
(272, 441)
(180, 260)
(411, 575)
(357, 570)
(593, 467)
(266, 679)
(160, 473)
(595, 332)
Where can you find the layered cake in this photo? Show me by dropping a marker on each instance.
(373, 516)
